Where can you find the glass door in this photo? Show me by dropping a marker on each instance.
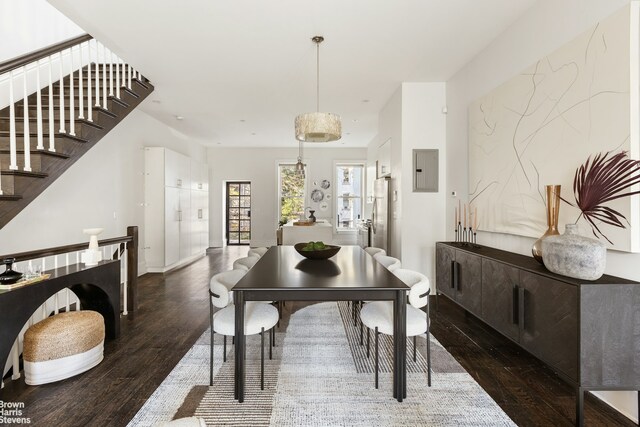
(238, 213)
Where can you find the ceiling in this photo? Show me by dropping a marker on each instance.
(239, 71)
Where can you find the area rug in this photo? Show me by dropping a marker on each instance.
(320, 376)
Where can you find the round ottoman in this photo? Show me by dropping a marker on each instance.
(62, 346)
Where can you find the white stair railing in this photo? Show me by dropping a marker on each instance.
(60, 63)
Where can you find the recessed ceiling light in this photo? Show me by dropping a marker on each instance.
(218, 143)
(156, 101)
(348, 133)
(242, 120)
(253, 133)
(355, 120)
(365, 100)
(179, 118)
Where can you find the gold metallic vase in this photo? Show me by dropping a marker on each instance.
(553, 210)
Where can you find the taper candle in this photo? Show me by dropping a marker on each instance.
(456, 216)
(465, 215)
(459, 211)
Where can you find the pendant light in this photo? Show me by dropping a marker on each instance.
(299, 165)
(318, 127)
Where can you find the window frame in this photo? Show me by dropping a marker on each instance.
(341, 163)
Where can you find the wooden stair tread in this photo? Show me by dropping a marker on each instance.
(41, 152)
(10, 197)
(46, 120)
(24, 173)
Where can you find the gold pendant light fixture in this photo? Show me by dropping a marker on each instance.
(299, 164)
(318, 127)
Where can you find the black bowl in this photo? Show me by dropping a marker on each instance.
(319, 254)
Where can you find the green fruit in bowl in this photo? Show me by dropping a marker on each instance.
(318, 246)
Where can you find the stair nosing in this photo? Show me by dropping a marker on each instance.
(36, 151)
(24, 173)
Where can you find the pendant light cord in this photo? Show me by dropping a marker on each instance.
(318, 76)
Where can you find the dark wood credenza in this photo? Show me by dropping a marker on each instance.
(588, 332)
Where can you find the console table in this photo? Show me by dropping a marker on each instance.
(586, 331)
(97, 288)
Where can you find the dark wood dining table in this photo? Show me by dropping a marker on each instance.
(282, 274)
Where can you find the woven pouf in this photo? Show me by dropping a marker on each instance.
(62, 346)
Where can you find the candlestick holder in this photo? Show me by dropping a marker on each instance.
(465, 235)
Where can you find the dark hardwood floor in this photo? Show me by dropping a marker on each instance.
(173, 314)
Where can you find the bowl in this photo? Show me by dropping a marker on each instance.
(330, 251)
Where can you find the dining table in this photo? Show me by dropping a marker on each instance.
(282, 274)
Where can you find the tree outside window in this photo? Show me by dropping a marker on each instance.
(292, 192)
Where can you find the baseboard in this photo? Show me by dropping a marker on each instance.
(177, 265)
(216, 243)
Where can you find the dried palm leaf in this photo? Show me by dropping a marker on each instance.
(601, 180)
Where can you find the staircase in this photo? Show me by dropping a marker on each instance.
(63, 126)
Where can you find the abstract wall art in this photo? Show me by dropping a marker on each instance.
(538, 127)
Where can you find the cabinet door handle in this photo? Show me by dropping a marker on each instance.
(180, 216)
(515, 306)
(521, 296)
(179, 183)
(455, 275)
(199, 213)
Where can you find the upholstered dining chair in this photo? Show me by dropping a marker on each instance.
(373, 251)
(389, 262)
(257, 252)
(245, 263)
(378, 315)
(259, 317)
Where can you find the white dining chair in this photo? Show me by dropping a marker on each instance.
(389, 262)
(373, 251)
(258, 318)
(257, 252)
(378, 316)
(245, 263)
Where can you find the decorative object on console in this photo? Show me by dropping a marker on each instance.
(92, 256)
(9, 276)
(605, 178)
(317, 195)
(553, 210)
(312, 217)
(573, 255)
(463, 233)
(325, 184)
(318, 127)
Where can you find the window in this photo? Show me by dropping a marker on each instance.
(291, 188)
(349, 195)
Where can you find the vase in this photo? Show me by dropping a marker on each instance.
(9, 276)
(573, 255)
(553, 209)
(312, 217)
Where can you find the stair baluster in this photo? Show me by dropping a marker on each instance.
(97, 66)
(26, 137)
(13, 165)
(72, 98)
(104, 77)
(89, 106)
(39, 109)
(80, 85)
(117, 77)
(130, 72)
(110, 57)
(61, 97)
(52, 121)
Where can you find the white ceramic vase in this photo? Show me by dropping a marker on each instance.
(573, 255)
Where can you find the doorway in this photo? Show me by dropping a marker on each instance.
(238, 213)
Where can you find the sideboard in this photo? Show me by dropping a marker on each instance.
(588, 332)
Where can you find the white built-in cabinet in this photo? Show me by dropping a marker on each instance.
(176, 209)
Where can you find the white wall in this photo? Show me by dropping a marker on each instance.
(545, 27)
(422, 214)
(104, 188)
(259, 166)
(28, 25)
